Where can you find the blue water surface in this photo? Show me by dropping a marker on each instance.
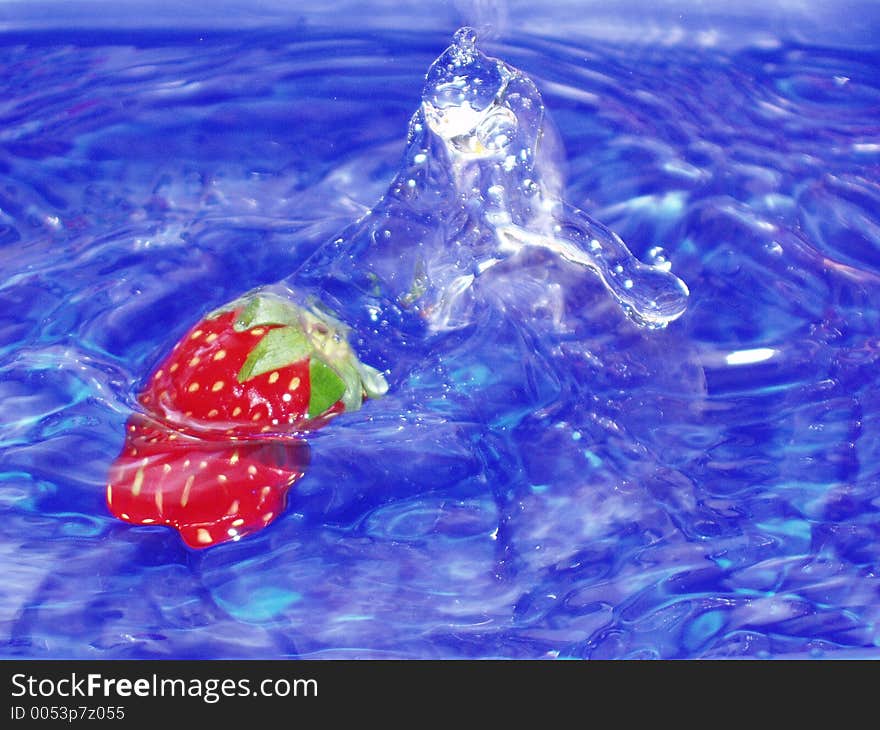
(706, 490)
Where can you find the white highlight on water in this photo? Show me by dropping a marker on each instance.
(750, 357)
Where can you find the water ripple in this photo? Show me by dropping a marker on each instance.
(711, 494)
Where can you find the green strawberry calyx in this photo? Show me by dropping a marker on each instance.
(297, 334)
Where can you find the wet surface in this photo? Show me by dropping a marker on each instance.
(548, 478)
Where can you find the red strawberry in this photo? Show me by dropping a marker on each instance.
(208, 459)
(263, 365)
(210, 492)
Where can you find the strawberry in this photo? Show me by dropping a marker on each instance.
(208, 458)
(211, 492)
(261, 365)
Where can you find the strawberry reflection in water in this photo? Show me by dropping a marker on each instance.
(210, 491)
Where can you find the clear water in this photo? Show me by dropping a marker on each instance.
(593, 490)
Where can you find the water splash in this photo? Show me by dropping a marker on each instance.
(474, 193)
(476, 188)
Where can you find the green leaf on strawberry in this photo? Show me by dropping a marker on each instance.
(327, 389)
(335, 373)
(266, 309)
(279, 347)
(374, 383)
